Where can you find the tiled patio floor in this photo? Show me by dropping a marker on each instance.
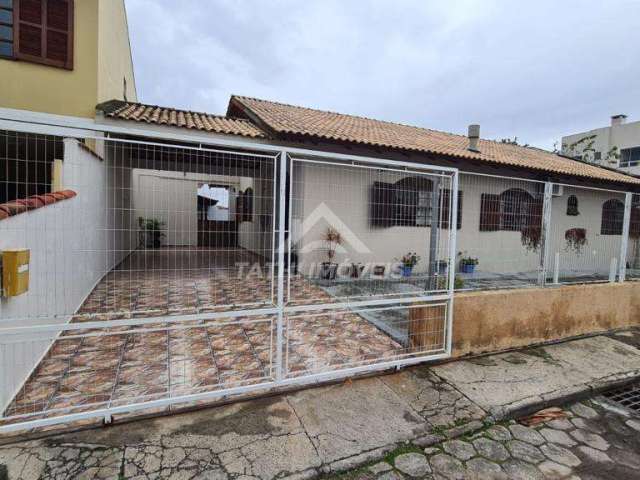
(112, 366)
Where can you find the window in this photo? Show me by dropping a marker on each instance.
(38, 31)
(512, 210)
(612, 217)
(408, 203)
(572, 206)
(630, 157)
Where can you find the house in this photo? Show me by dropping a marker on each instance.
(616, 146)
(500, 189)
(155, 257)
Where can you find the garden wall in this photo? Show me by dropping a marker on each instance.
(505, 319)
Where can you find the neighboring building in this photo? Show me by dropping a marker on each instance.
(615, 146)
(64, 56)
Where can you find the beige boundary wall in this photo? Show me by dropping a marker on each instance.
(504, 319)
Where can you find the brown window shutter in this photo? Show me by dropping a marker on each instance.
(29, 28)
(489, 212)
(445, 199)
(44, 32)
(444, 214)
(59, 32)
(382, 204)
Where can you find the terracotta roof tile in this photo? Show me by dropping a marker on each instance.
(179, 118)
(16, 207)
(286, 119)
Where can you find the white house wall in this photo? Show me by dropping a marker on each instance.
(172, 197)
(73, 244)
(345, 194)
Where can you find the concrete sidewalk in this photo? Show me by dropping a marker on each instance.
(332, 428)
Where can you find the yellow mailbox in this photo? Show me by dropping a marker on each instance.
(15, 271)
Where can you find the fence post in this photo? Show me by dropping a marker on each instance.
(434, 230)
(284, 157)
(622, 265)
(544, 233)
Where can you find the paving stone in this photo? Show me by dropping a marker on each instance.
(560, 424)
(447, 466)
(597, 456)
(635, 424)
(560, 455)
(482, 469)
(557, 436)
(584, 411)
(499, 433)
(491, 449)
(625, 457)
(390, 476)
(459, 449)
(412, 464)
(525, 451)
(583, 424)
(526, 434)
(554, 470)
(590, 439)
(431, 450)
(519, 470)
(380, 467)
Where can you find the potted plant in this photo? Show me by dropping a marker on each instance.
(356, 270)
(576, 239)
(329, 268)
(408, 261)
(151, 233)
(468, 264)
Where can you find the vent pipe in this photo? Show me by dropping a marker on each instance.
(618, 120)
(474, 135)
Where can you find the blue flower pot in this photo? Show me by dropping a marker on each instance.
(467, 267)
(406, 271)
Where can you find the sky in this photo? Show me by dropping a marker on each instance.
(532, 70)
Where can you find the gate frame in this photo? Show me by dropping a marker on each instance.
(80, 128)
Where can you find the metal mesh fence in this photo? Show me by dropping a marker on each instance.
(85, 369)
(585, 235)
(330, 340)
(360, 232)
(499, 240)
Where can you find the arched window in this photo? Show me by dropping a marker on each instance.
(248, 205)
(515, 209)
(412, 201)
(612, 217)
(572, 206)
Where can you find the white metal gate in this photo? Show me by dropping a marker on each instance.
(165, 272)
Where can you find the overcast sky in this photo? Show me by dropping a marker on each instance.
(531, 69)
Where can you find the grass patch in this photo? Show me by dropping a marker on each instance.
(390, 457)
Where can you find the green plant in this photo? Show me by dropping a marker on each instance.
(576, 239)
(530, 237)
(469, 261)
(150, 232)
(410, 259)
(151, 225)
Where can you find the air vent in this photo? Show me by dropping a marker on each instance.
(627, 396)
(557, 190)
